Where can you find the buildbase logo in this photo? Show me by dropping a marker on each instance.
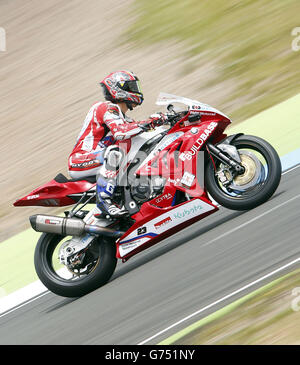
(196, 147)
(2, 40)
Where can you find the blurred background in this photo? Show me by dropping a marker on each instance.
(237, 56)
(234, 55)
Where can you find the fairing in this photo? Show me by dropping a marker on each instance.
(179, 101)
(54, 194)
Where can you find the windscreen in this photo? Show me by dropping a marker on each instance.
(179, 101)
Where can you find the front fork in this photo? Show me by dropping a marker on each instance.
(229, 156)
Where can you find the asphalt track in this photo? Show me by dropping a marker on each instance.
(168, 282)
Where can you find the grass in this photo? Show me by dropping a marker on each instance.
(265, 317)
(250, 41)
(273, 125)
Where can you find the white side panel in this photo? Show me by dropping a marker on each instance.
(163, 223)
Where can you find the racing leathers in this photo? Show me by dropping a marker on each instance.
(105, 124)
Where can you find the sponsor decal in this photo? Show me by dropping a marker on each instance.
(199, 142)
(85, 164)
(169, 140)
(187, 179)
(162, 223)
(175, 182)
(208, 113)
(164, 197)
(188, 211)
(33, 196)
(129, 245)
(52, 221)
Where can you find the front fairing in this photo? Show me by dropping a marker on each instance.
(181, 103)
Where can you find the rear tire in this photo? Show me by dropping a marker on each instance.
(269, 187)
(99, 276)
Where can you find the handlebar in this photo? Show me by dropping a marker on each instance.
(174, 118)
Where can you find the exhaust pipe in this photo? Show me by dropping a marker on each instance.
(69, 226)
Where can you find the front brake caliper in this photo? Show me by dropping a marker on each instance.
(224, 175)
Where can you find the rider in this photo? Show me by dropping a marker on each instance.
(105, 124)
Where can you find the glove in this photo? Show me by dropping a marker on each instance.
(157, 119)
(146, 126)
(153, 121)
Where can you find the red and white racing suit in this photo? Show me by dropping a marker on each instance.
(103, 126)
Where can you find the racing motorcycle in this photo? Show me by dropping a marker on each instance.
(173, 176)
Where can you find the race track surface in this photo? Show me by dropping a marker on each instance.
(166, 283)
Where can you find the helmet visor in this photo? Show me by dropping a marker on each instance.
(132, 86)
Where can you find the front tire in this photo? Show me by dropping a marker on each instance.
(104, 265)
(262, 193)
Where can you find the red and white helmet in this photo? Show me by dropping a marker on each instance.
(122, 86)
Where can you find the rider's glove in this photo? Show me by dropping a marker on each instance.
(158, 119)
(146, 125)
(154, 120)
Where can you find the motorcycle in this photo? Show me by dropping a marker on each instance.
(173, 176)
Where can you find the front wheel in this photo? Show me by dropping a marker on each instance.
(259, 181)
(90, 269)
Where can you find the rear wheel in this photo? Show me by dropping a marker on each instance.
(258, 182)
(91, 269)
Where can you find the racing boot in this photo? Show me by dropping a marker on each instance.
(105, 191)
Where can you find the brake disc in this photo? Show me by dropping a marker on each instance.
(253, 175)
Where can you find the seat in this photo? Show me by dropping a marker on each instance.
(60, 178)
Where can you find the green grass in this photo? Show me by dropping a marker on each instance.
(265, 317)
(16, 261)
(250, 41)
(279, 125)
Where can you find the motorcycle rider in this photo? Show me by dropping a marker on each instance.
(105, 124)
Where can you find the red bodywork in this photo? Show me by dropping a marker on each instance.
(165, 164)
(54, 194)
